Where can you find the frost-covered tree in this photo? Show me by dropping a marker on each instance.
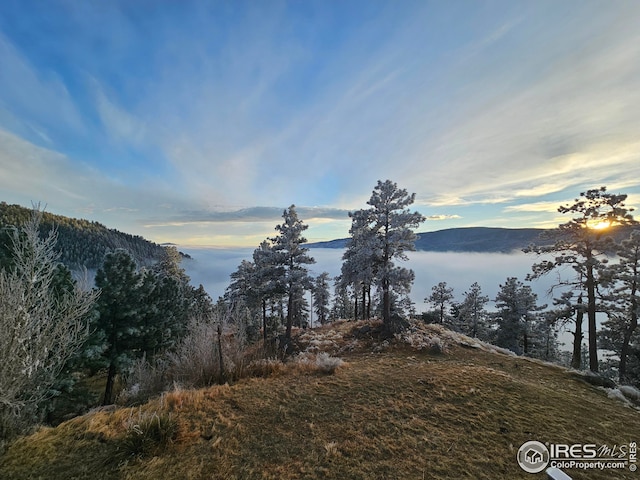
(291, 256)
(441, 297)
(544, 333)
(623, 301)
(391, 224)
(472, 314)
(42, 324)
(268, 277)
(343, 306)
(243, 286)
(321, 297)
(358, 269)
(582, 243)
(517, 307)
(170, 265)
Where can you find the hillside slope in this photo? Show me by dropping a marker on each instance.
(83, 243)
(394, 411)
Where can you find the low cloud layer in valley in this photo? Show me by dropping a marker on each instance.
(211, 267)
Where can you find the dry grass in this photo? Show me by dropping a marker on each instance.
(402, 413)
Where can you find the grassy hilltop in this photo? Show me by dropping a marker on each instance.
(398, 409)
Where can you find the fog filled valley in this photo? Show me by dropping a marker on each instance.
(212, 267)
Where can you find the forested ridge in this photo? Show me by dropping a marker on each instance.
(82, 243)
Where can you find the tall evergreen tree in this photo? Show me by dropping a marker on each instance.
(343, 307)
(472, 314)
(623, 301)
(357, 268)
(243, 285)
(119, 314)
(392, 224)
(322, 297)
(581, 243)
(517, 305)
(292, 257)
(268, 279)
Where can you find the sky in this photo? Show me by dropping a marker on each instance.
(199, 122)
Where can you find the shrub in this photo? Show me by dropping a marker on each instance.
(147, 434)
(265, 367)
(212, 351)
(145, 380)
(325, 363)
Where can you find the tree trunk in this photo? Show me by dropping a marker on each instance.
(368, 302)
(624, 352)
(108, 391)
(576, 357)
(386, 300)
(591, 316)
(264, 321)
(386, 304)
(287, 334)
(474, 330)
(364, 300)
(220, 357)
(628, 333)
(355, 308)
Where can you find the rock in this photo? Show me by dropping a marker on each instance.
(630, 392)
(595, 379)
(363, 331)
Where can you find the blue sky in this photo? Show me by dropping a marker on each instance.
(198, 122)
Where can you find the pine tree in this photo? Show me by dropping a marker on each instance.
(571, 310)
(291, 256)
(623, 301)
(268, 280)
(243, 287)
(582, 243)
(119, 314)
(343, 307)
(358, 269)
(517, 305)
(472, 314)
(441, 296)
(322, 297)
(391, 224)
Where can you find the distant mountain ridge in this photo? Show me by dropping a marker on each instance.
(466, 239)
(481, 239)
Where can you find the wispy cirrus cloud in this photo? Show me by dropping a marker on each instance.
(34, 102)
(254, 214)
(479, 109)
(442, 217)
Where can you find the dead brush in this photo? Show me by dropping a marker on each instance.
(327, 364)
(265, 367)
(320, 363)
(146, 434)
(331, 449)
